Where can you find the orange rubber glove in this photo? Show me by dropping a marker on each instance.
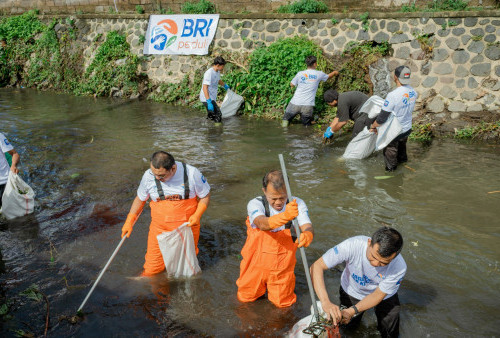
(194, 219)
(306, 237)
(129, 224)
(291, 211)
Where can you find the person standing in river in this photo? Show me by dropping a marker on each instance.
(304, 98)
(209, 88)
(400, 102)
(179, 193)
(6, 147)
(269, 251)
(371, 279)
(348, 105)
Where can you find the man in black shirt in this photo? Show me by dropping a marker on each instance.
(348, 105)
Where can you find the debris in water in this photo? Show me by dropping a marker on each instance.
(414, 243)
(91, 139)
(408, 167)
(493, 192)
(75, 175)
(382, 177)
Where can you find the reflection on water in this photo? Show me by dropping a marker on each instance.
(85, 158)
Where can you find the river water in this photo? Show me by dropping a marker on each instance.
(84, 157)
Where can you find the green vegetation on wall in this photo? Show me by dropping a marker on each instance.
(480, 131)
(200, 7)
(304, 6)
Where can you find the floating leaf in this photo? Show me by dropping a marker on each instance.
(32, 293)
(382, 177)
(75, 175)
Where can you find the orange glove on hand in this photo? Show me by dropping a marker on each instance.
(306, 237)
(194, 219)
(291, 211)
(129, 224)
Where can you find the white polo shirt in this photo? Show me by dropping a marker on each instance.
(198, 185)
(5, 146)
(210, 78)
(256, 208)
(401, 102)
(360, 278)
(307, 83)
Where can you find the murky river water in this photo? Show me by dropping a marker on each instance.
(85, 158)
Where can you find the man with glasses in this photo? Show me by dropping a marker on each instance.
(372, 276)
(179, 193)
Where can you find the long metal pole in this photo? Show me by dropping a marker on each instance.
(102, 273)
(302, 251)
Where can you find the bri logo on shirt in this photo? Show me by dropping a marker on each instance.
(6, 142)
(361, 280)
(203, 179)
(306, 77)
(386, 103)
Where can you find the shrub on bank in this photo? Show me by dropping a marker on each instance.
(304, 6)
(200, 7)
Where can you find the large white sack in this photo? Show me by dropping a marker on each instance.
(231, 104)
(179, 252)
(18, 198)
(388, 132)
(372, 106)
(362, 146)
(296, 331)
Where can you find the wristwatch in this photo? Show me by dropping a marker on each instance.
(356, 312)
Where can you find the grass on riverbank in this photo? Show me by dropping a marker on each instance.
(482, 130)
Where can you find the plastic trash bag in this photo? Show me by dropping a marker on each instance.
(231, 104)
(18, 197)
(179, 252)
(298, 328)
(362, 146)
(372, 106)
(388, 132)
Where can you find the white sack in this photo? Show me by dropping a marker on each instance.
(18, 198)
(388, 132)
(231, 104)
(372, 106)
(296, 331)
(179, 252)
(362, 146)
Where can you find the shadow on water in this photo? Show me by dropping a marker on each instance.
(85, 158)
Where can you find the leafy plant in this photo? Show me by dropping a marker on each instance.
(409, 8)
(477, 38)
(33, 293)
(448, 5)
(139, 9)
(304, 6)
(142, 38)
(421, 132)
(334, 21)
(478, 131)
(364, 20)
(200, 7)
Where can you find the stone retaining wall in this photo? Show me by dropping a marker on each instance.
(458, 70)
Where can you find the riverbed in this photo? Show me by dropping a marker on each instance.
(84, 158)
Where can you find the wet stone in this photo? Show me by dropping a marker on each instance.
(452, 43)
(402, 53)
(460, 83)
(496, 23)
(363, 35)
(415, 44)
(481, 69)
(475, 107)
(429, 81)
(475, 47)
(460, 57)
(339, 42)
(273, 27)
(321, 25)
(381, 37)
(440, 54)
(470, 22)
(448, 92)
(325, 42)
(350, 34)
(458, 31)
(439, 21)
(290, 31)
(456, 106)
(490, 38)
(477, 59)
(323, 33)
(302, 30)
(472, 83)
(489, 29)
(259, 26)
(484, 21)
(423, 21)
(465, 39)
(461, 71)
(222, 43)
(469, 96)
(382, 24)
(443, 69)
(248, 44)
(236, 44)
(492, 52)
(477, 32)
(398, 38)
(284, 26)
(255, 36)
(436, 105)
(334, 31)
(429, 29)
(330, 47)
(228, 33)
(393, 26)
(296, 22)
(244, 33)
(443, 33)
(270, 38)
(373, 26)
(413, 22)
(247, 24)
(313, 32)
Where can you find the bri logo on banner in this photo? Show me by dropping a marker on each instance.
(165, 33)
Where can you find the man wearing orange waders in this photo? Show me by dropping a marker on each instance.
(269, 251)
(179, 193)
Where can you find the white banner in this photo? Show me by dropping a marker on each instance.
(184, 34)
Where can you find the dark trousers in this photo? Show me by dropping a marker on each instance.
(306, 113)
(387, 312)
(360, 123)
(395, 152)
(2, 188)
(215, 115)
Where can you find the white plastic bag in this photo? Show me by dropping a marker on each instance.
(296, 331)
(231, 104)
(362, 146)
(18, 198)
(388, 132)
(179, 252)
(372, 106)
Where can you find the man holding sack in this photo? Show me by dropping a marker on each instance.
(6, 147)
(179, 193)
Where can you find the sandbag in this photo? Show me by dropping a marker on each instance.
(388, 132)
(18, 197)
(179, 252)
(231, 104)
(362, 146)
(372, 106)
